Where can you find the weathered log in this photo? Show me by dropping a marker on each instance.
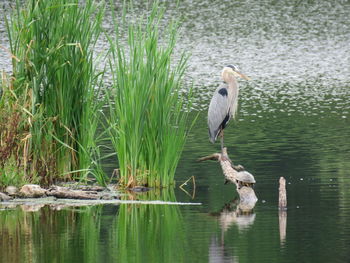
(89, 188)
(32, 190)
(63, 192)
(231, 173)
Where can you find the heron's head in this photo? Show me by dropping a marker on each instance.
(231, 70)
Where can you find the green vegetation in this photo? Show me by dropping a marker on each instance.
(51, 103)
(50, 108)
(148, 126)
(13, 136)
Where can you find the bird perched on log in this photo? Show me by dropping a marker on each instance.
(224, 103)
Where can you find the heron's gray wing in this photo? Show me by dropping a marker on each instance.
(218, 111)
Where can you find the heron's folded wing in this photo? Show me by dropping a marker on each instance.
(218, 111)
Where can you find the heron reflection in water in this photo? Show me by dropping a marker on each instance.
(224, 103)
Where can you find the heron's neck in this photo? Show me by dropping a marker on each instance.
(232, 82)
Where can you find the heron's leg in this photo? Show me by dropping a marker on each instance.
(222, 139)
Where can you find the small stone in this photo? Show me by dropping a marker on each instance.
(4, 197)
(32, 190)
(140, 189)
(112, 187)
(11, 190)
(107, 197)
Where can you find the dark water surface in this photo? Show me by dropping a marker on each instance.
(293, 121)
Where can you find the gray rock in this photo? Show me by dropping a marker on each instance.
(32, 190)
(107, 197)
(11, 190)
(4, 197)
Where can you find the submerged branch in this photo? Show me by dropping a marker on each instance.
(234, 174)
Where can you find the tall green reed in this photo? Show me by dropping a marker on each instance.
(148, 124)
(53, 46)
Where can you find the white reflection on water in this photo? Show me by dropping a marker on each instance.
(296, 52)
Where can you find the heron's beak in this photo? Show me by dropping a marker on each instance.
(239, 74)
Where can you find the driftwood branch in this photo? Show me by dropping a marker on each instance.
(230, 171)
(214, 156)
(62, 192)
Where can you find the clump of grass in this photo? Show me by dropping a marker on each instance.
(148, 124)
(52, 43)
(13, 136)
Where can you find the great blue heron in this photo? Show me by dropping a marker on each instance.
(223, 105)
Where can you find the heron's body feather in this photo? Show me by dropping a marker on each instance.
(222, 107)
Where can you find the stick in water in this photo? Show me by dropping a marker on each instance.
(282, 204)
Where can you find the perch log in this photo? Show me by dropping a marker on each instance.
(246, 193)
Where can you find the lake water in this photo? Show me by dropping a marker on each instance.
(293, 121)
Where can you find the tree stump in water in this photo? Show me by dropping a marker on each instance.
(233, 174)
(282, 214)
(282, 201)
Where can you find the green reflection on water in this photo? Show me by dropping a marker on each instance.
(125, 233)
(45, 235)
(150, 233)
